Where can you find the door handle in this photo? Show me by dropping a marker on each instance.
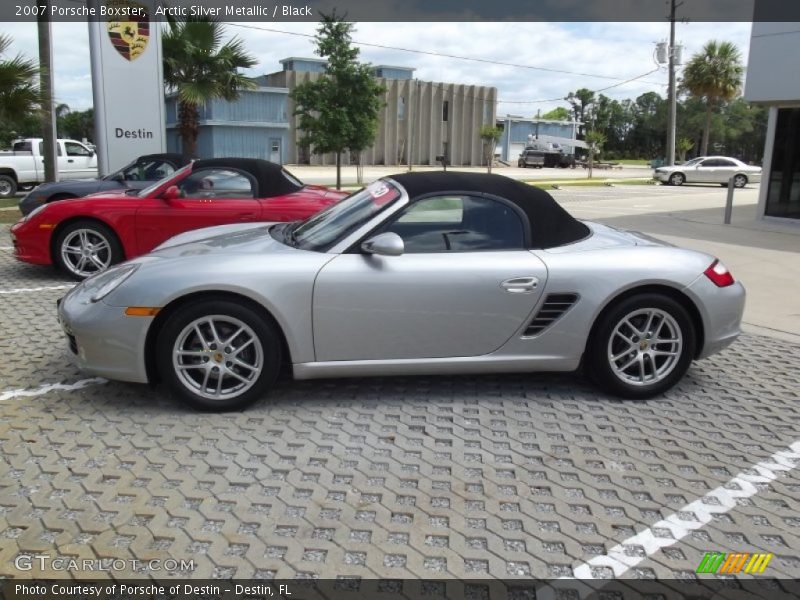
(520, 285)
(245, 216)
(70, 160)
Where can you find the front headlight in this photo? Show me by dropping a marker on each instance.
(101, 285)
(34, 212)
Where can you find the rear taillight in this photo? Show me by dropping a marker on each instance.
(719, 274)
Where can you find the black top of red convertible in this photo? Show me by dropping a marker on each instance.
(271, 178)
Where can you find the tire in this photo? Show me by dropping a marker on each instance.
(739, 180)
(212, 382)
(677, 179)
(85, 248)
(634, 371)
(8, 186)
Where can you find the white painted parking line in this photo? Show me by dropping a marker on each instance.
(692, 516)
(38, 289)
(50, 387)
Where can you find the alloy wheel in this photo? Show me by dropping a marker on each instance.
(645, 346)
(86, 252)
(217, 357)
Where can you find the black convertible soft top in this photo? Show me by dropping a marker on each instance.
(178, 160)
(269, 176)
(550, 224)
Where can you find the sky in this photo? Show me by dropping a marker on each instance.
(616, 51)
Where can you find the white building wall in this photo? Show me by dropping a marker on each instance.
(773, 70)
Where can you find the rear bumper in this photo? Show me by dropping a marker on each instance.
(721, 310)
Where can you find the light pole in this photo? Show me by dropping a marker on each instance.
(673, 56)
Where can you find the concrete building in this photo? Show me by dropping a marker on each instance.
(773, 79)
(420, 120)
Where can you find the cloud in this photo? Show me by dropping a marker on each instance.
(622, 50)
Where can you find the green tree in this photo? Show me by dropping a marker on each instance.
(489, 134)
(683, 145)
(714, 74)
(557, 114)
(581, 101)
(339, 110)
(200, 67)
(595, 139)
(19, 90)
(77, 124)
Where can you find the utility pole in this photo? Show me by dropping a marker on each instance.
(673, 96)
(46, 92)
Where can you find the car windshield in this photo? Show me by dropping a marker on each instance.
(151, 188)
(322, 230)
(694, 161)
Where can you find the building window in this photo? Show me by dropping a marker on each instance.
(445, 110)
(401, 109)
(783, 192)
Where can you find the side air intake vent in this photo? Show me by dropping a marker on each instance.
(555, 305)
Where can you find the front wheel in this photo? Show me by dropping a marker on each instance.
(739, 181)
(85, 248)
(218, 355)
(642, 346)
(676, 179)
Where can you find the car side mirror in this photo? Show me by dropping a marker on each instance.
(384, 244)
(171, 193)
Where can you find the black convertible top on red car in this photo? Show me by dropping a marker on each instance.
(271, 178)
(550, 225)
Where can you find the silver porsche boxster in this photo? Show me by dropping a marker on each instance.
(419, 273)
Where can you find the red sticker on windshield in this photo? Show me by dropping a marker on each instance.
(381, 193)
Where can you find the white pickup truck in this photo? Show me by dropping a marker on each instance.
(24, 164)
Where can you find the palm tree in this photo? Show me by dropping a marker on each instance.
(199, 67)
(714, 75)
(19, 88)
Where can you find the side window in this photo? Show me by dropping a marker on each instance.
(725, 163)
(459, 224)
(217, 183)
(74, 149)
(41, 149)
(152, 170)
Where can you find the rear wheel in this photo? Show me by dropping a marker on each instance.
(218, 355)
(676, 179)
(642, 346)
(85, 248)
(8, 186)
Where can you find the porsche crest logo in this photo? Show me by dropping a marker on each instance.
(129, 37)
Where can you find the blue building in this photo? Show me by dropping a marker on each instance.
(254, 126)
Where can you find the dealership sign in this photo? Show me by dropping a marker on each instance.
(127, 82)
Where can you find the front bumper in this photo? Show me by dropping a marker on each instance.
(31, 244)
(102, 340)
(663, 177)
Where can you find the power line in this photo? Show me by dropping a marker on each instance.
(443, 55)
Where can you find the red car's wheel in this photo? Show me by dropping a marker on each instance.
(85, 248)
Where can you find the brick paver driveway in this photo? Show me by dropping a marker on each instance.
(501, 476)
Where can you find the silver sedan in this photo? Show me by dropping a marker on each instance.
(423, 273)
(709, 169)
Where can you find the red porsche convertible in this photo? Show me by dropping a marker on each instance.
(87, 235)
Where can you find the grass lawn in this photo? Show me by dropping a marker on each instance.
(593, 182)
(9, 216)
(638, 162)
(6, 202)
